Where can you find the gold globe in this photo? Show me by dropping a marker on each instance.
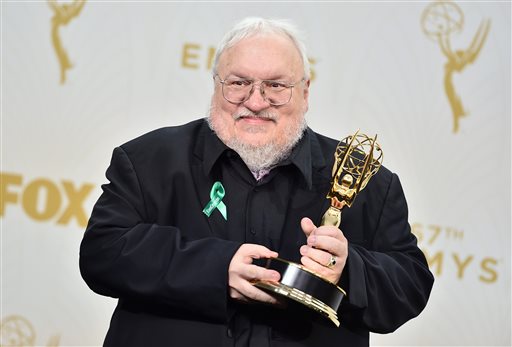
(16, 331)
(441, 18)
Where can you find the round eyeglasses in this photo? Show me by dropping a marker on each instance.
(276, 93)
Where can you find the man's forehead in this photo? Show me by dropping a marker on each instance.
(275, 40)
(273, 55)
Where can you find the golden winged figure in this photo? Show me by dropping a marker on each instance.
(63, 14)
(357, 159)
(457, 61)
(440, 19)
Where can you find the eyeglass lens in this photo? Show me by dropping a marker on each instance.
(276, 93)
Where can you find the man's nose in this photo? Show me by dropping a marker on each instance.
(256, 101)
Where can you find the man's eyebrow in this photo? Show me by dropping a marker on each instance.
(240, 76)
(277, 77)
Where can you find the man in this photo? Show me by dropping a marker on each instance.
(188, 211)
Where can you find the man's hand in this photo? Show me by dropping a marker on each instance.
(242, 273)
(323, 243)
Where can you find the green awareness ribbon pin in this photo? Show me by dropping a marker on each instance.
(216, 195)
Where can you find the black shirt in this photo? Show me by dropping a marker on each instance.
(257, 209)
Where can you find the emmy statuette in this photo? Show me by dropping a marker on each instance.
(356, 159)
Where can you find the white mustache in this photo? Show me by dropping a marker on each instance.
(247, 113)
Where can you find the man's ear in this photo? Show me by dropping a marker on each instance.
(306, 88)
(306, 95)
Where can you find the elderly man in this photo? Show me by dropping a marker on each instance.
(189, 209)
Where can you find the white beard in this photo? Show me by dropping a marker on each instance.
(268, 155)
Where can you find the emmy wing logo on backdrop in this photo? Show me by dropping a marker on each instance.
(439, 21)
(18, 331)
(62, 15)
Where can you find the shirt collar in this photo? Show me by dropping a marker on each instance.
(306, 155)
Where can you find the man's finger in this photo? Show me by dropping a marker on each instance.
(307, 226)
(256, 294)
(257, 251)
(258, 273)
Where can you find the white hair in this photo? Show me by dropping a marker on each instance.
(253, 26)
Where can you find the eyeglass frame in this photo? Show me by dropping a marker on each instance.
(253, 84)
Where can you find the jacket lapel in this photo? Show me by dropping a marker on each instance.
(204, 175)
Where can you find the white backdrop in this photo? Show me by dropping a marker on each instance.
(141, 65)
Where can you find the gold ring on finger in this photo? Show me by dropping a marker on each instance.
(332, 261)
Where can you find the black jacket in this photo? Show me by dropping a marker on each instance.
(149, 244)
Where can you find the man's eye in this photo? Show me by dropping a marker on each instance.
(276, 85)
(239, 83)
